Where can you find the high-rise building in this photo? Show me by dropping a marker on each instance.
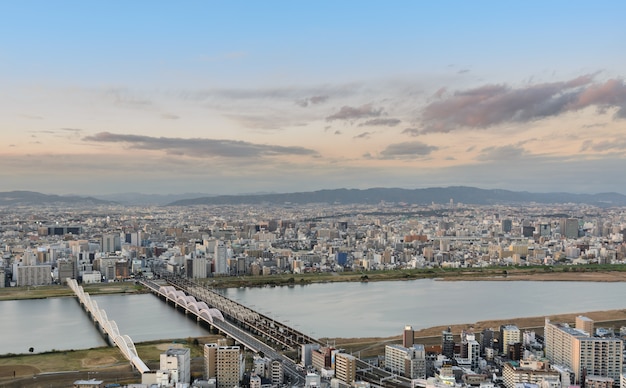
(277, 372)
(509, 334)
(223, 363)
(487, 339)
(321, 358)
(407, 337)
(470, 350)
(306, 357)
(569, 227)
(34, 275)
(447, 343)
(585, 324)
(178, 363)
(67, 269)
(507, 225)
(221, 258)
(409, 362)
(345, 367)
(199, 267)
(584, 354)
(110, 243)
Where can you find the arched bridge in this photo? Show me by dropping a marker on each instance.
(108, 327)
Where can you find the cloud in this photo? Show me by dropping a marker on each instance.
(491, 105)
(299, 95)
(198, 147)
(407, 150)
(364, 135)
(352, 113)
(264, 121)
(32, 117)
(440, 92)
(502, 153)
(168, 116)
(311, 101)
(411, 132)
(381, 122)
(337, 132)
(125, 97)
(610, 94)
(604, 145)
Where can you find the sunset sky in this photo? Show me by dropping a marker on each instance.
(229, 97)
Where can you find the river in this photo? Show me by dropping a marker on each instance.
(62, 324)
(382, 309)
(375, 309)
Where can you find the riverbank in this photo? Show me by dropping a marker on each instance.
(589, 272)
(62, 368)
(582, 273)
(54, 291)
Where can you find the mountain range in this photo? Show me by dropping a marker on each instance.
(438, 195)
(32, 198)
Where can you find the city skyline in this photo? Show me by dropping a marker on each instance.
(157, 97)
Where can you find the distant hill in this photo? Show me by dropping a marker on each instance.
(148, 199)
(440, 195)
(31, 198)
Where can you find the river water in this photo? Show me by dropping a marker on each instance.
(62, 324)
(383, 308)
(323, 310)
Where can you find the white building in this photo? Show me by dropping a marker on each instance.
(199, 267)
(221, 258)
(408, 362)
(530, 372)
(178, 363)
(34, 275)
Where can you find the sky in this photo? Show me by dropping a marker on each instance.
(237, 97)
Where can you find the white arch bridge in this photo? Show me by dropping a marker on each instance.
(199, 308)
(109, 327)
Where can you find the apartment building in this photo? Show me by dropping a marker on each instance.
(584, 354)
(223, 363)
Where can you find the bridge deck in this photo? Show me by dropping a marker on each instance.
(123, 342)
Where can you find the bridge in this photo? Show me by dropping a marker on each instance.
(252, 329)
(214, 318)
(108, 327)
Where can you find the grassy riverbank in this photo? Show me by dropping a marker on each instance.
(591, 272)
(95, 360)
(588, 273)
(53, 291)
